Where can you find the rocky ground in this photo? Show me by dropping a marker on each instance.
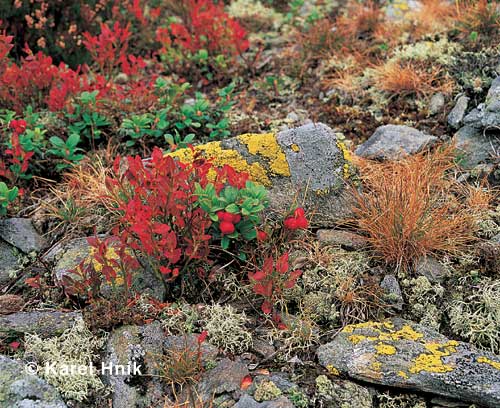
(398, 299)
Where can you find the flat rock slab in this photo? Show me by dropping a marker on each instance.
(401, 353)
(345, 239)
(18, 389)
(393, 142)
(20, 233)
(44, 323)
(307, 164)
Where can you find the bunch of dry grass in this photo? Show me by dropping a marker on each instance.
(409, 78)
(478, 16)
(82, 200)
(410, 208)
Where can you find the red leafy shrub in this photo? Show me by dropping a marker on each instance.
(160, 216)
(205, 32)
(272, 280)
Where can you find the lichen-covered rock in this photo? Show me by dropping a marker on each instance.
(398, 9)
(431, 268)
(67, 256)
(10, 263)
(20, 233)
(19, 389)
(403, 354)
(392, 291)
(393, 142)
(342, 394)
(247, 401)
(141, 345)
(224, 378)
(307, 164)
(45, 323)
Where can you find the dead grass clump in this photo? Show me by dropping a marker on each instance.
(410, 208)
(408, 78)
(481, 17)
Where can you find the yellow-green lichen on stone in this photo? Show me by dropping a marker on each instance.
(432, 360)
(221, 156)
(265, 145)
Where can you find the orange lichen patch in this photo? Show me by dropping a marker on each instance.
(265, 145)
(431, 361)
(486, 360)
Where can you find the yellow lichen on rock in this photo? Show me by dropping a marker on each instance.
(221, 156)
(402, 374)
(432, 361)
(332, 370)
(266, 145)
(383, 332)
(486, 360)
(385, 349)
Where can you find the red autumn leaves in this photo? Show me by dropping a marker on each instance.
(272, 279)
(296, 221)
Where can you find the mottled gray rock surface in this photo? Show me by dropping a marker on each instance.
(345, 239)
(436, 104)
(392, 142)
(392, 290)
(431, 268)
(18, 389)
(9, 265)
(224, 378)
(20, 233)
(401, 353)
(246, 401)
(46, 323)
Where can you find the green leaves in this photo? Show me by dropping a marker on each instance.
(246, 204)
(66, 150)
(6, 196)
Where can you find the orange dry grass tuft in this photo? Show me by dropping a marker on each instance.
(410, 78)
(479, 16)
(409, 208)
(434, 16)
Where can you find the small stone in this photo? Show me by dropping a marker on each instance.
(18, 389)
(393, 292)
(263, 347)
(393, 142)
(432, 269)
(345, 239)
(224, 378)
(456, 116)
(293, 117)
(248, 402)
(121, 79)
(45, 323)
(10, 304)
(436, 103)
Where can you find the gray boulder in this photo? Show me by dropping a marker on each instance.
(306, 165)
(19, 389)
(401, 353)
(393, 142)
(20, 233)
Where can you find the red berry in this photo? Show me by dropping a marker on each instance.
(226, 227)
(290, 223)
(236, 218)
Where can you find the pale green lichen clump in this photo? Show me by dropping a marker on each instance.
(266, 391)
(226, 328)
(76, 347)
(477, 318)
(423, 298)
